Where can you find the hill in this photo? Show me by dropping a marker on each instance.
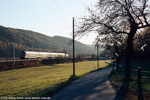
(30, 40)
(79, 47)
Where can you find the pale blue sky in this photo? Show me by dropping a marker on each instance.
(50, 17)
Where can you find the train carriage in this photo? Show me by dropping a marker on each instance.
(41, 55)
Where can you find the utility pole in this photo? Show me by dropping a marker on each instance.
(14, 55)
(97, 57)
(97, 44)
(73, 51)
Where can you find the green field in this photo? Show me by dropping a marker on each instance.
(39, 81)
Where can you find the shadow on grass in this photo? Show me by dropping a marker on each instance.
(137, 91)
(49, 92)
(122, 92)
(57, 87)
(124, 89)
(140, 92)
(53, 90)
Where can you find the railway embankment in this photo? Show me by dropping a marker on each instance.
(30, 63)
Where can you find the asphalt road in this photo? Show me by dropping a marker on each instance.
(94, 86)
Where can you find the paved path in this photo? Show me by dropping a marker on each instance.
(94, 86)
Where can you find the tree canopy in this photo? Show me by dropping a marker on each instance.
(125, 17)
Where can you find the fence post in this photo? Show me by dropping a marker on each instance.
(139, 74)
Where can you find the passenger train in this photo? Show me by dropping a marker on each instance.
(42, 55)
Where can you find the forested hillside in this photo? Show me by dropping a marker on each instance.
(26, 39)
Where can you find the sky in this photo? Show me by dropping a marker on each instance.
(49, 17)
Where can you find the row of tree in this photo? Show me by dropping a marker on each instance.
(118, 22)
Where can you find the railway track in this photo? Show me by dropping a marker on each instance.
(16, 60)
(21, 60)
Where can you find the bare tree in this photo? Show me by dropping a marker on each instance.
(142, 40)
(115, 43)
(118, 17)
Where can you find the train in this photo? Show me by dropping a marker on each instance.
(42, 55)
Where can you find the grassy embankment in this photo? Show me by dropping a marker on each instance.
(132, 94)
(43, 80)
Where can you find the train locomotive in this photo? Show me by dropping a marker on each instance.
(42, 55)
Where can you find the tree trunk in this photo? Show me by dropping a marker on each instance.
(118, 63)
(129, 51)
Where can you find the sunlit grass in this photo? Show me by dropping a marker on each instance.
(36, 81)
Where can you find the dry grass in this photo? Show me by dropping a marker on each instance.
(36, 81)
